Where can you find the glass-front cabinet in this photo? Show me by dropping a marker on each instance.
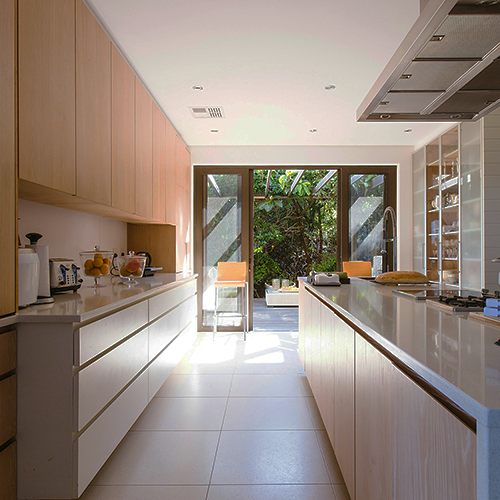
(440, 213)
(442, 208)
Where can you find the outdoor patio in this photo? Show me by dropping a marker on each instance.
(274, 319)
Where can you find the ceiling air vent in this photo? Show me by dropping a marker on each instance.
(207, 111)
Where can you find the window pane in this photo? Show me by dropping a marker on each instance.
(366, 210)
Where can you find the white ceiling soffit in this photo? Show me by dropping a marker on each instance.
(447, 67)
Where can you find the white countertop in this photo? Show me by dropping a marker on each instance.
(455, 354)
(89, 302)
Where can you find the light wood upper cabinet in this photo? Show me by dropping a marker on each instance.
(93, 108)
(123, 133)
(183, 201)
(171, 208)
(434, 453)
(373, 423)
(143, 151)
(8, 171)
(47, 93)
(159, 165)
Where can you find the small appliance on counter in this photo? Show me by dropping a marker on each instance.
(64, 275)
(324, 279)
(44, 274)
(29, 274)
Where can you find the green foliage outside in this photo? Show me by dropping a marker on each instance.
(293, 234)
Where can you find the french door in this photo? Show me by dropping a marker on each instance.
(222, 233)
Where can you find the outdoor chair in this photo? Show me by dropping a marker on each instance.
(232, 275)
(358, 268)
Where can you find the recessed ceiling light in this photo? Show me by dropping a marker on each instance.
(214, 131)
(385, 117)
(406, 76)
(330, 87)
(313, 130)
(408, 130)
(197, 87)
(458, 115)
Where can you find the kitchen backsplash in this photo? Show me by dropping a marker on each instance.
(67, 232)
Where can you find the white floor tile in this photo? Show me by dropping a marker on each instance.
(304, 385)
(195, 386)
(314, 412)
(161, 458)
(267, 414)
(269, 457)
(331, 463)
(271, 492)
(188, 414)
(145, 493)
(264, 385)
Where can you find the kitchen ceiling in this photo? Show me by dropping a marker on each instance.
(266, 65)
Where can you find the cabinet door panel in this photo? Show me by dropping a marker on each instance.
(171, 206)
(8, 167)
(143, 151)
(434, 453)
(327, 367)
(344, 401)
(123, 133)
(8, 351)
(304, 299)
(47, 93)
(183, 201)
(373, 423)
(159, 165)
(8, 472)
(93, 108)
(7, 408)
(162, 332)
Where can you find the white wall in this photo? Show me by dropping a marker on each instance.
(68, 232)
(329, 156)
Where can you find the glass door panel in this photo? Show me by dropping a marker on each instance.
(450, 198)
(221, 243)
(471, 205)
(432, 178)
(366, 210)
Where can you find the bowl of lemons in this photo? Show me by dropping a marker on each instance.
(96, 263)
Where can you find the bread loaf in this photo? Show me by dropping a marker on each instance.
(402, 277)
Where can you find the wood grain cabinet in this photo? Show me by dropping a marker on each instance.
(392, 440)
(46, 34)
(93, 108)
(8, 387)
(159, 165)
(143, 151)
(8, 166)
(434, 453)
(123, 133)
(183, 201)
(171, 193)
(374, 374)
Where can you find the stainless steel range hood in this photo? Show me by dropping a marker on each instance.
(446, 69)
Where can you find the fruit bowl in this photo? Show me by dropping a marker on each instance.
(96, 263)
(131, 266)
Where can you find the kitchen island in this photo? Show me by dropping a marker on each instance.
(410, 394)
(88, 365)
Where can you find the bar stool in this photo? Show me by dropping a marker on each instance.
(358, 268)
(232, 275)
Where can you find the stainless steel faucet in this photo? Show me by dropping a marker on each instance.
(389, 211)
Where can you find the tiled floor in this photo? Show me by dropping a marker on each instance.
(235, 421)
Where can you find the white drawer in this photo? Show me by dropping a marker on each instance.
(97, 443)
(187, 311)
(99, 382)
(98, 336)
(162, 331)
(163, 365)
(169, 299)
